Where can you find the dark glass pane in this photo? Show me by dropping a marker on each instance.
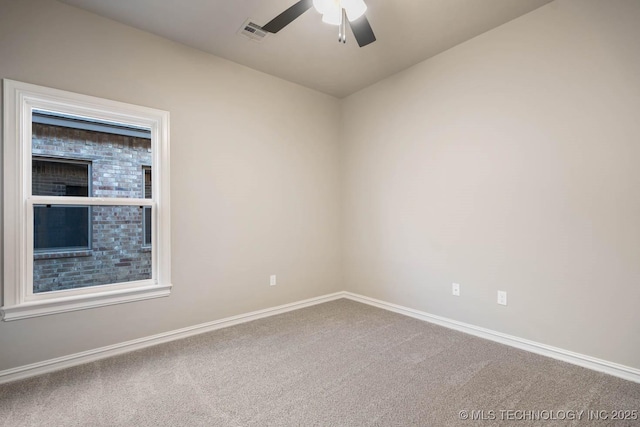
(56, 178)
(116, 254)
(148, 188)
(147, 225)
(60, 227)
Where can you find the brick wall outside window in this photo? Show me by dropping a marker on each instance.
(117, 252)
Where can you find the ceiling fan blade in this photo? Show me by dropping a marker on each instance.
(288, 16)
(362, 31)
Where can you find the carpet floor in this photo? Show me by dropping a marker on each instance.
(340, 363)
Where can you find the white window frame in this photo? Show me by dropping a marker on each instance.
(19, 301)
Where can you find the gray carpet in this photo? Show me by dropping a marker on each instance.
(336, 364)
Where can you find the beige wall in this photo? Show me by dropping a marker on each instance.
(255, 187)
(509, 162)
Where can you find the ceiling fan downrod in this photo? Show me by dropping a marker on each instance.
(342, 28)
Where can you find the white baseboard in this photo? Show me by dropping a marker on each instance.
(39, 368)
(611, 368)
(63, 362)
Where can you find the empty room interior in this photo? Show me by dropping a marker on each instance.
(269, 213)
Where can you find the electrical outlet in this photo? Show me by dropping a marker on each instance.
(455, 289)
(502, 298)
(272, 280)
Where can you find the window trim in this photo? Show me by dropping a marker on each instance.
(88, 164)
(20, 99)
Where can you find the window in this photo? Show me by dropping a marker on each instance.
(75, 208)
(64, 228)
(146, 220)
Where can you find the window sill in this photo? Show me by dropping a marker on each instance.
(81, 302)
(62, 254)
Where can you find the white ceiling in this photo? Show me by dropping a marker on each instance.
(307, 51)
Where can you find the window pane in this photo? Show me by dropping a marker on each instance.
(116, 151)
(61, 227)
(148, 193)
(147, 225)
(59, 178)
(116, 254)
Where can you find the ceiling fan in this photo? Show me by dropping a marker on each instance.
(334, 12)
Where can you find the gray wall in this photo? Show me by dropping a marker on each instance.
(254, 191)
(509, 163)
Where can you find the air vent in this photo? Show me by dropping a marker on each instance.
(252, 31)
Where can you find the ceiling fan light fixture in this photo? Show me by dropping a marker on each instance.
(332, 17)
(324, 6)
(331, 10)
(355, 8)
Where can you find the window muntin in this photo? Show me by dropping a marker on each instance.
(22, 205)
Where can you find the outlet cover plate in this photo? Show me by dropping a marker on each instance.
(455, 289)
(502, 298)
